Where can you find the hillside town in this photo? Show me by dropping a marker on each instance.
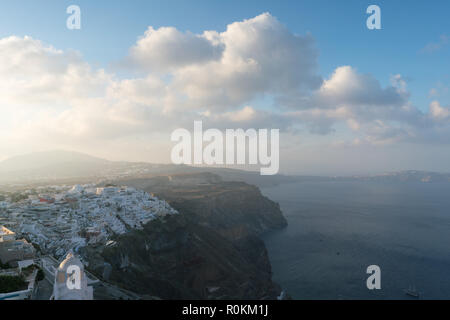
(56, 220)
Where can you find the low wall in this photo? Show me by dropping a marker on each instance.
(17, 295)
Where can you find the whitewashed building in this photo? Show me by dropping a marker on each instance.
(71, 281)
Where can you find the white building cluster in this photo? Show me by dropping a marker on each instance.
(61, 218)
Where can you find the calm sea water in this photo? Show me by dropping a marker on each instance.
(337, 229)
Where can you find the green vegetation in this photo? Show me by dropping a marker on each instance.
(12, 283)
(28, 270)
(4, 265)
(35, 245)
(83, 233)
(16, 197)
(40, 275)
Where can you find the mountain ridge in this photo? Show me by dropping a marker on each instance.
(46, 158)
(61, 164)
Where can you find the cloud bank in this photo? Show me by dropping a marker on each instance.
(256, 73)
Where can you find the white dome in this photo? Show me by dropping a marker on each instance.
(61, 291)
(70, 260)
(76, 189)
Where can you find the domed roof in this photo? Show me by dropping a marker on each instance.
(76, 189)
(70, 260)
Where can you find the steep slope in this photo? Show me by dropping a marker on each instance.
(174, 258)
(225, 206)
(210, 251)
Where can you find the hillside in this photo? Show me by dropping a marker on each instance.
(66, 167)
(39, 160)
(210, 251)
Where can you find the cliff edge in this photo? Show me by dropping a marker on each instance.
(211, 250)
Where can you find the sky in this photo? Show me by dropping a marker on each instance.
(347, 100)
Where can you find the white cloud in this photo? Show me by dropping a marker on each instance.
(361, 103)
(247, 113)
(439, 112)
(32, 73)
(347, 87)
(436, 46)
(53, 98)
(166, 49)
(216, 70)
(247, 117)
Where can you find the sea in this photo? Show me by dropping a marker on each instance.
(336, 230)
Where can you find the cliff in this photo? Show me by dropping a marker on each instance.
(226, 207)
(210, 251)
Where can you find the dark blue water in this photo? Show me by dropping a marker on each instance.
(337, 229)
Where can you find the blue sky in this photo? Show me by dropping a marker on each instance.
(340, 111)
(110, 28)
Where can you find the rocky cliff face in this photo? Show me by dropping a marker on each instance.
(210, 251)
(227, 207)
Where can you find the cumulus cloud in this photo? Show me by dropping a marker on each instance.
(32, 73)
(439, 90)
(347, 87)
(258, 56)
(359, 102)
(51, 95)
(439, 112)
(167, 49)
(247, 117)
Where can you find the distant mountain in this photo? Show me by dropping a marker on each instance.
(53, 165)
(74, 167)
(404, 176)
(39, 160)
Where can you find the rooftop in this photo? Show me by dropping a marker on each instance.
(4, 231)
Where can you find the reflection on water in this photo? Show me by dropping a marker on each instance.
(337, 229)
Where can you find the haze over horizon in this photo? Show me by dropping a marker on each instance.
(347, 100)
(46, 159)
